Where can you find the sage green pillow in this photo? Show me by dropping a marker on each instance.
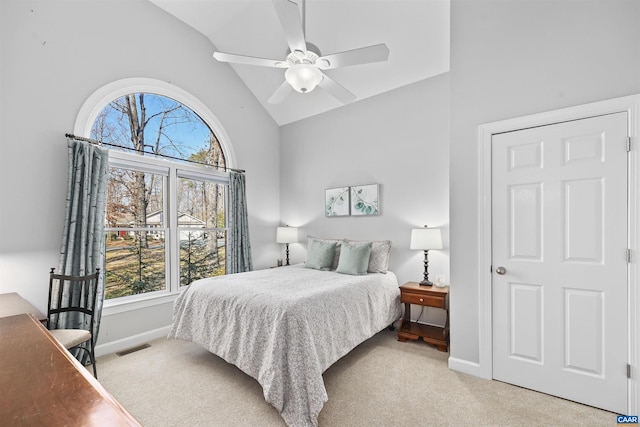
(379, 259)
(354, 257)
(336, 255)
(320, 255)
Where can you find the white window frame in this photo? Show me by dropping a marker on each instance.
(172, 171)
(84, 121)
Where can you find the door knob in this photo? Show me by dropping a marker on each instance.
(501, 270)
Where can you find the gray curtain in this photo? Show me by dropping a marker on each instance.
(83, 245)
(238, 244)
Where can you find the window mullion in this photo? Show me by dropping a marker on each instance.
(174, 239)
(136, 162)
(205, 175)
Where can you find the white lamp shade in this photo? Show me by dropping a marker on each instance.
(303, 77)
(287, 235)
(426, 238)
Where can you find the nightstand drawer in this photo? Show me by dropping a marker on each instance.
(428, 300)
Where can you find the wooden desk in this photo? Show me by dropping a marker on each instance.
(44, 385)
(12, 304)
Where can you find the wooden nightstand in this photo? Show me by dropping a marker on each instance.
(427, 296)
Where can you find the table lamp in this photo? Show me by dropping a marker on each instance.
(426, 239)
(287, 235)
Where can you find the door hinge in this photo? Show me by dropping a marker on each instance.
(628, 371)
(628, 143)
(628, 256)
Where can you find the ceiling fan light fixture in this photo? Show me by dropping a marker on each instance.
(303, 78)
(304, 64)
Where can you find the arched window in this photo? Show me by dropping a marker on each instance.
(166, 196)
(155, 124)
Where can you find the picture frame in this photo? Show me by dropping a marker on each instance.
(336, 202)
(365, 200)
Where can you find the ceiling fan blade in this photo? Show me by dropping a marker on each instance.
(281, 93)
(289, 15)
(249, 60)
(363, 55)
(339, 92)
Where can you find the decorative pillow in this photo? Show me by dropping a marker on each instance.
(354, 257)
(336, 255)
(379, 259)
(320, 255)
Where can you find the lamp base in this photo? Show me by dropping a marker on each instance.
(287, 255)
(426, 281)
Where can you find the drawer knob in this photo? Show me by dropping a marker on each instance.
(421, 300)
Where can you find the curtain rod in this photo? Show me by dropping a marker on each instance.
(96, 142)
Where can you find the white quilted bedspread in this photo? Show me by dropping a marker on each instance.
(286, 326)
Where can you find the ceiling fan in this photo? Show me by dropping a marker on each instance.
(304, 64)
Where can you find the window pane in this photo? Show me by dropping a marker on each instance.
(202, 254)
(200, 203)
(201, 223)
(154, 124)
(135, 263)
(134, 199)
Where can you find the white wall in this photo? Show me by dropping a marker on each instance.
(53, 55)
(514, 58)
(397, 139)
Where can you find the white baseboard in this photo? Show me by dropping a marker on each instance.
(466, 367)
(132, 341)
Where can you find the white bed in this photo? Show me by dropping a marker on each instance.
(285, 326)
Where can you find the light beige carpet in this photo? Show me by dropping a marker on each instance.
(382, 382)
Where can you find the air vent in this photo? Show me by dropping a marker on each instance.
(133, 349)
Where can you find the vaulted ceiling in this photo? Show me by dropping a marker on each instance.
(415, 31)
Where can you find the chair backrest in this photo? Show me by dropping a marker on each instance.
(72, 294)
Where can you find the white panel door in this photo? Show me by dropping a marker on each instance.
(559, 238)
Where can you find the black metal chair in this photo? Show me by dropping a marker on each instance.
(73, 297)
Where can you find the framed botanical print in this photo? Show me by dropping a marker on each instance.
(336, 201)
(365, 200)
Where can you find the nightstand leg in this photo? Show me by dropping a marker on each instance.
(406, 316)
(441, 347)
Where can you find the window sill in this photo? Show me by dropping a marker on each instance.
(124, 305)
